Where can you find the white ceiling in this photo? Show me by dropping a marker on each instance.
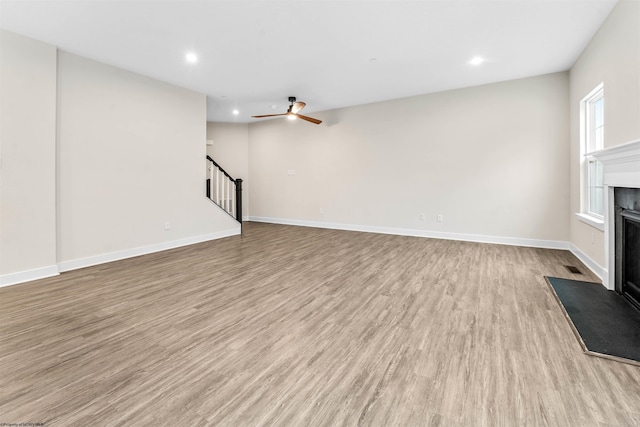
(330, 54)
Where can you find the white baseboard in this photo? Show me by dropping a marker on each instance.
(143, 250)
(599, 271)
(513, 241)
(29, 275)
(54, 270)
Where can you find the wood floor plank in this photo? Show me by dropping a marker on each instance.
(295, 326)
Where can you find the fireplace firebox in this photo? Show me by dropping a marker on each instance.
(627, 238)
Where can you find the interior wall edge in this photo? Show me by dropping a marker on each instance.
(477, 238)
(596, 268)
(592, 265)
(28, 275)
(144, 250)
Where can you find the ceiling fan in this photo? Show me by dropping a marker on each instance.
(292, 112)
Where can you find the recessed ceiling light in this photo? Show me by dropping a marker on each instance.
(236, 112)
(476, 60)
(191, 58)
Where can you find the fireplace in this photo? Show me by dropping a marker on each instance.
(621, 169)
(627, 243)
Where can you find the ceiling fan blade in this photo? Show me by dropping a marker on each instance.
(297, 107)
(309, 119)
(268, 115)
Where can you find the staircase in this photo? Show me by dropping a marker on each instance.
(223, 190)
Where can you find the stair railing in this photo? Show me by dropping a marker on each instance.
(223, 190)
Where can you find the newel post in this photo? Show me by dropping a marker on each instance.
(239, 200)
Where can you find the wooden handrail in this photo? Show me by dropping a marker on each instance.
(220, 167)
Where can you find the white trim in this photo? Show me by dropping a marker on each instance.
(591, 220)
(587, 137)
(609, 237)
(29, 275)
(599, 271)
(54, 270)
(143, 250)
(514, 241)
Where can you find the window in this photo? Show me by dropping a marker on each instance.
(592, 120)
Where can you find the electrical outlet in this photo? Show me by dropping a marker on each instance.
(440, 218)
(321, 211)
(422, 216)
(291, 172)
(167, 225)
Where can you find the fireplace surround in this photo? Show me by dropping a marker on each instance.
(621, 170)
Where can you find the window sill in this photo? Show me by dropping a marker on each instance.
(592, 221)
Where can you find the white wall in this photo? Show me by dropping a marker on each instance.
(491, 159)
(27, 158)
(230, 150)
(131, 153)
(612, 57)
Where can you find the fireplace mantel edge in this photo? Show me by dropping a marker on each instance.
(623, 153)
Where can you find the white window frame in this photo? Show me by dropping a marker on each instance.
(589, 143)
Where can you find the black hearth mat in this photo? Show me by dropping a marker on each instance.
(606, 324)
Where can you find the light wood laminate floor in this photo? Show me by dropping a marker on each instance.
(295, 326)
